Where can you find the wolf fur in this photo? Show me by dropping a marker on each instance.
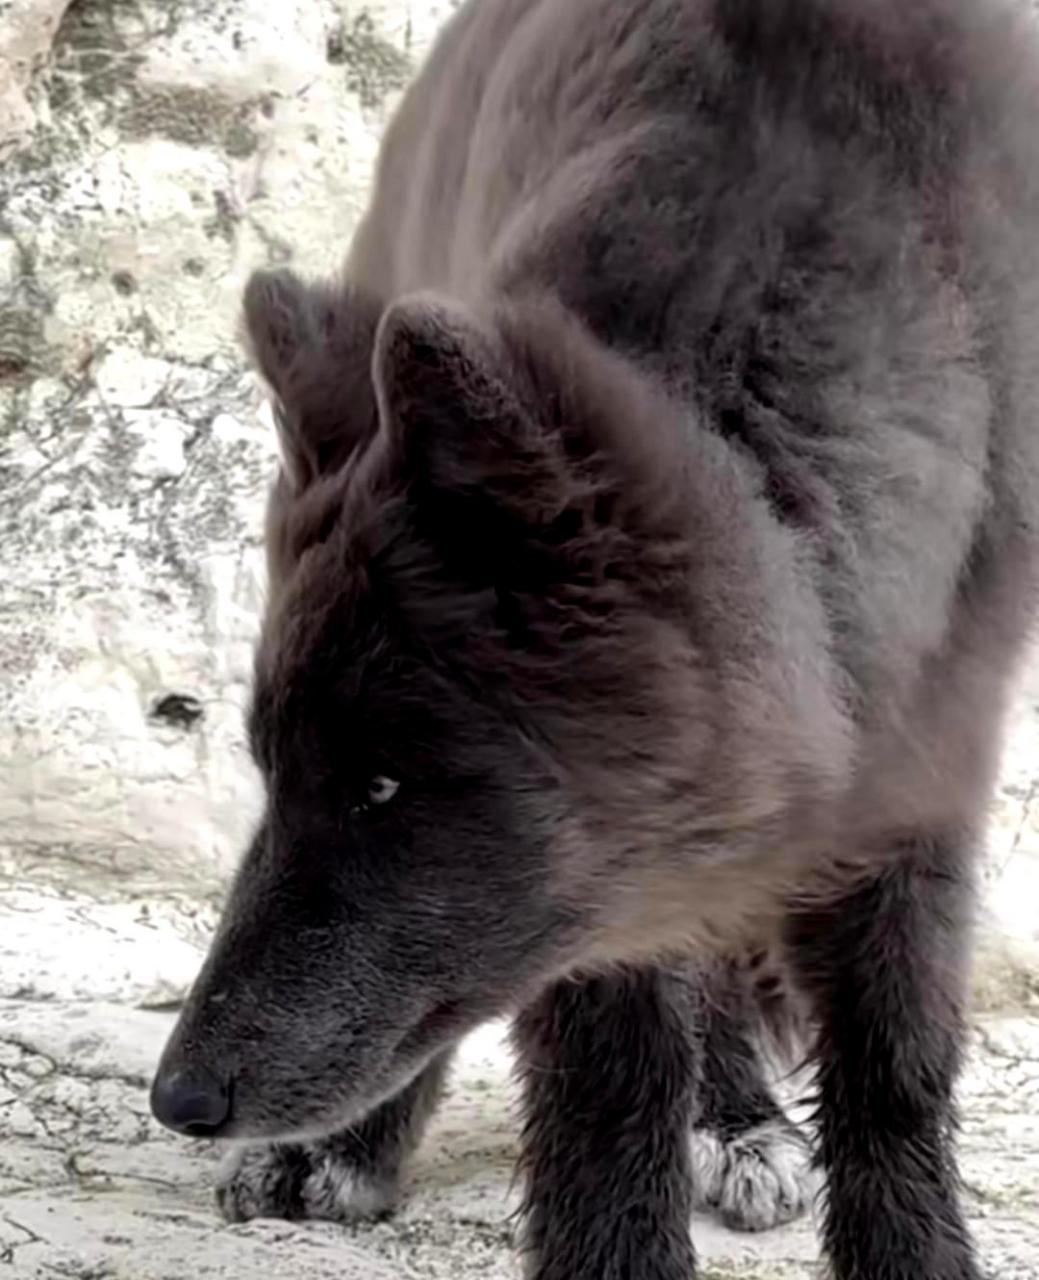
(654, 546)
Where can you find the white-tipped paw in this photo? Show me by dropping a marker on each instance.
(298, 1180)
(757, 1180)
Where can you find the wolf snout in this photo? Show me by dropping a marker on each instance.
(191, 1100)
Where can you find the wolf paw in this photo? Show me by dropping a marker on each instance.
(299, 1180)
(756, 1180)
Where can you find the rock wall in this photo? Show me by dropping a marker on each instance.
(153, 152)
(153, 155)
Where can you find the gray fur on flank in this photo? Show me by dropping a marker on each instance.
(655, 544)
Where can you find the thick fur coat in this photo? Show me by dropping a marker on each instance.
(655, 543)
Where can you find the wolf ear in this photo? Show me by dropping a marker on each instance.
(450, 404)
(532, 459)
(312, 345)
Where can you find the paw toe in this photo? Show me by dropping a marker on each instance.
(340, 1192)
(296, 1181)
(261, 1182)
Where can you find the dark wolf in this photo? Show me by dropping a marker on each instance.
(654, 545)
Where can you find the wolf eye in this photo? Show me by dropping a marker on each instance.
(381, 790)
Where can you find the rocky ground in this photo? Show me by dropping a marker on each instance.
(91, 1189)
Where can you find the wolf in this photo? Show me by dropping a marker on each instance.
(653, 548)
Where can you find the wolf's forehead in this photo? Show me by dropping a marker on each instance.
(323, 610)
(304, 705)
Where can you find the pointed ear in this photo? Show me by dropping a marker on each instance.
(312, 346)
(450, 402)
(533, 460)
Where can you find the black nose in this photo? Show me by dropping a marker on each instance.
(192, 1101)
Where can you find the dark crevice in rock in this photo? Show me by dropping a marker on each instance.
(181, 710)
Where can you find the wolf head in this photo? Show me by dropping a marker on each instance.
(476, 704)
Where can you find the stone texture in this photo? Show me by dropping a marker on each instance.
(151, 154)
(1008, 936)
(91, 1188)
(27, 30)
(174, 148)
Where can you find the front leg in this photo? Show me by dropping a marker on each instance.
(885, 967)
(609, 1072)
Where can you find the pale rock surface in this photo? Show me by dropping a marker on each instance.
(91, 1188)
(152, 152)
(27, 30)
